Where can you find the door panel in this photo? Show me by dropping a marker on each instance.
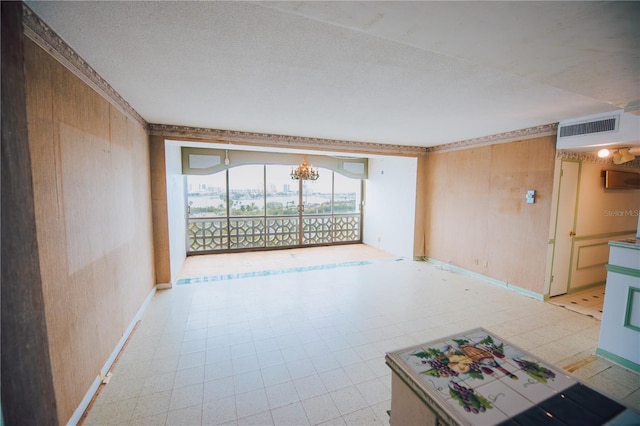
(283, 199)
(317, 206)
(565, 228)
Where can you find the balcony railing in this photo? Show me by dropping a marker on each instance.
(237, 233)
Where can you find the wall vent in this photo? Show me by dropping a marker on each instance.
(590, 133)
(587, 128)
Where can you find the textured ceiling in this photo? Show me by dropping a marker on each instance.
(411, 73)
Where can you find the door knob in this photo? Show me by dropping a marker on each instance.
(571, 233)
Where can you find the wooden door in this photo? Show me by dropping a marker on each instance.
(565, 228)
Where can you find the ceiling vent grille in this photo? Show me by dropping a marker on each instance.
(614, 128)
(587, 128)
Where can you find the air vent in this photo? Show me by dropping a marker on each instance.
(599, 126)
(613, 128)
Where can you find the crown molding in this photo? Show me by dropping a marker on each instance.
(586, 157)
(280, 141)
(40, 33)
(516, 135)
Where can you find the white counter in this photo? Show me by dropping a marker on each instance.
(620, 327)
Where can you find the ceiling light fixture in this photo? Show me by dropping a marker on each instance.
(603, 153)
(625, 156)
(616, 157)
(304, 172)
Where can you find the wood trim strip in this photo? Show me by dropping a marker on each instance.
(41, 34)
(279, 141)
(587, 157)
(631, 295)
(623, 270)
(287, 141)
(618, 360)
(513, 136)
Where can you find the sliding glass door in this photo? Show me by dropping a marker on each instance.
(283, 208)
(261, 207)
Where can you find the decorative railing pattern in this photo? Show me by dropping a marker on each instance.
(221, 234)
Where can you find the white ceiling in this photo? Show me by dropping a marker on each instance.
(409, 73)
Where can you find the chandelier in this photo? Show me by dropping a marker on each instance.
(304, 172)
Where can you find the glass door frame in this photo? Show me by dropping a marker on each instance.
(324, 235)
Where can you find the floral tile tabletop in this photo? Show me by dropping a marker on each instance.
(476, 377)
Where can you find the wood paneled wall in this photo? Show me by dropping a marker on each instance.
(27, 385)
(472, 211)
(160, 213)
(91, 177)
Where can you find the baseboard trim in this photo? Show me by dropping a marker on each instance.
(450, 267)
(88, 397)
(630, 365)
(164, 286)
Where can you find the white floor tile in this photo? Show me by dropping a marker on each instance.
(155, 420)
(282, 394)
(364, 416)
(219, 389)
(185, 416)
(192, 359)
(338, 421)
(320, 409)
(260, 419)
(240, 350)
(359, 373)
(218, 354)
(193, 346)
(347, 357)
(267, 344)
(374, 391)
(219, 411)
(292, 414)
(309, 347)
(245, 364)
(250, 403)
(186, 396)
(325, 362)
(151, 404)
(301, 368)
(335, 379)
(158, 383)
(309, 386)
(249, 381)
(348, 400)
(122, 387)
(270, 358)
(189, 376)
(275, 375)
(217, 370)
(112, 413)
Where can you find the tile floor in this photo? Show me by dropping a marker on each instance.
(308, 347)
(236, 265)
(587, 302)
